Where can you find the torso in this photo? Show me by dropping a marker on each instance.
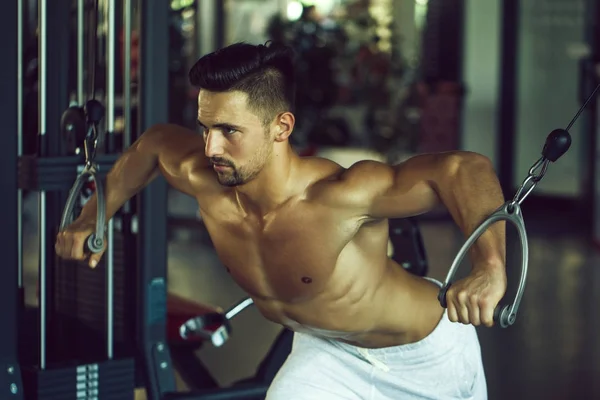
(315, 268)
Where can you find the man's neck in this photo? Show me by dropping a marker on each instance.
(273, 186)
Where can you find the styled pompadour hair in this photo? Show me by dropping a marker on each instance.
(264, 72)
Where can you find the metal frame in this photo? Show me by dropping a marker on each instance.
(111, 67)
(152, 202)
(46, 368)
(152, 207)
(10, 375)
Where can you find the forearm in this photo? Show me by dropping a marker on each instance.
(470, 190)
(134, 170)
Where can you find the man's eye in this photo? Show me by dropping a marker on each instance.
(229, 131)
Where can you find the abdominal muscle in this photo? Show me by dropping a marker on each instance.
(400, 308)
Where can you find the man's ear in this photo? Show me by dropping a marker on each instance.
(284, 125)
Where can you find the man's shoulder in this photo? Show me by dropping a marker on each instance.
(346, 186)
(329, 170)
(323, 169)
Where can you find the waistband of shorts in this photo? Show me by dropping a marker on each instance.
(444, 336)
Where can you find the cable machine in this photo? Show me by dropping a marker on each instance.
(90, 330)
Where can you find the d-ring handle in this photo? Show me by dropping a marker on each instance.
(95, 242)
(506, 314)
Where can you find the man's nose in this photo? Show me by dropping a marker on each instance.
(214, 144)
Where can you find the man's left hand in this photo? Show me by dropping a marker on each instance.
(472, 300)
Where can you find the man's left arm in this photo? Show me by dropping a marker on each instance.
(467, 185)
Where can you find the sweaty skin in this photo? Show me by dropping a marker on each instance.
(304, 237)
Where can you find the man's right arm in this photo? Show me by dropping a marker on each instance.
(170, 149)
(175, 151)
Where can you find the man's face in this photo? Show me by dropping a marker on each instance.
(236, 142)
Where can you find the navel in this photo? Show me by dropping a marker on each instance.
(306, 279)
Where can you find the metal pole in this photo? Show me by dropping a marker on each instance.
(80, 51)
(596, 175)
(127, 73)
(127, 28)
(42, 72)
(20, 28)
(110, 125)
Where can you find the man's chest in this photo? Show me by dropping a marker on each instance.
(289, 256)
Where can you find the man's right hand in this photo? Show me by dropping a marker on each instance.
(71, 243)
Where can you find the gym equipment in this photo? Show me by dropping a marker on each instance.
(407, 245)
(557, 143)
(190, 325)
(71, 346)
(94, 112)
(11, 278)
(213, 326)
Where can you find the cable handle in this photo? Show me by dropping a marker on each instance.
(94, 242)
(504, 314)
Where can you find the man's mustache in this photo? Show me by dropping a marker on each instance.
(221, 162)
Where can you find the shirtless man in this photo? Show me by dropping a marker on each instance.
(307, 239)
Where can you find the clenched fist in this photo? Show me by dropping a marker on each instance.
(473, 299)
(71, 244)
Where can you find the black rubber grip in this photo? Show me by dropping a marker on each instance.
(442, 295)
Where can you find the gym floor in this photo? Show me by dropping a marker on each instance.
(552, 351)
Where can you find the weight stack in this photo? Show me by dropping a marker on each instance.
(80, 306)
(109, 380)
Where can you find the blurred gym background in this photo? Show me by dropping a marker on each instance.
(387, 79)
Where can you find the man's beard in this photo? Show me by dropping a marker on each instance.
(236, 176)
(230, 177)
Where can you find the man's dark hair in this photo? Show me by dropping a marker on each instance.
(264, 72)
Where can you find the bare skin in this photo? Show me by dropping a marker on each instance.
(306, 238)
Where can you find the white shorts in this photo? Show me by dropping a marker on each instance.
(446, 364)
